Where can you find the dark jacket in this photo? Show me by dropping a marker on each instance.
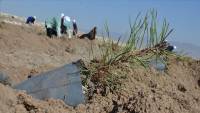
(75, 28)
(30, 20)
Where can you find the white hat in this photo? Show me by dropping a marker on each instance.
(62, 14)
(67, 18)
(174, 47)
(34, 17)
(74, 20)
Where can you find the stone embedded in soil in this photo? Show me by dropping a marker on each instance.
(181, 88)
(5, 79)
(198, 82)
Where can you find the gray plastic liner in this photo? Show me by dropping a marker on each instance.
(158, 63)
(62, 83)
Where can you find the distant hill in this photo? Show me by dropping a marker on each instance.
(187, 49)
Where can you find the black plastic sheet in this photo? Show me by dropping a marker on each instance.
(62, 83)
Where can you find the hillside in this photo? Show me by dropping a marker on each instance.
(188, 49)
(24, 50)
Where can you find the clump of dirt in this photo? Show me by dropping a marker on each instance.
(12, 101)
(150, 91)
(23, 52)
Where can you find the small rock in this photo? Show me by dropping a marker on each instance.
(181, 88)
(153, 91)
(5, 79)
(29, 76)
(198, 82)
(69, 50)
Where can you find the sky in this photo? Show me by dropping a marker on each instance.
(183, 15)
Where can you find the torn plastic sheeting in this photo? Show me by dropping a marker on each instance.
(62, 83)
(158, 63)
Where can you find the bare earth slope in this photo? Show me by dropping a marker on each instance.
(26, 50)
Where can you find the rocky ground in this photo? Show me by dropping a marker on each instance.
(24, 50)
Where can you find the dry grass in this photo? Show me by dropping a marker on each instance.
(145, 41)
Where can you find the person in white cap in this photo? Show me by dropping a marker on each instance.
(67, 24)
(169, 46)
(30, 20)
(75, 28)
(62, 15)
(62, 26)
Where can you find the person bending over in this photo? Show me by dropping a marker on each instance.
(30, 20)
(91, 35)
(52, 26)
(75, 28)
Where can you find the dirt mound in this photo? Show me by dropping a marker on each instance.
(147, 91)
(12, 101)
(25, 50)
